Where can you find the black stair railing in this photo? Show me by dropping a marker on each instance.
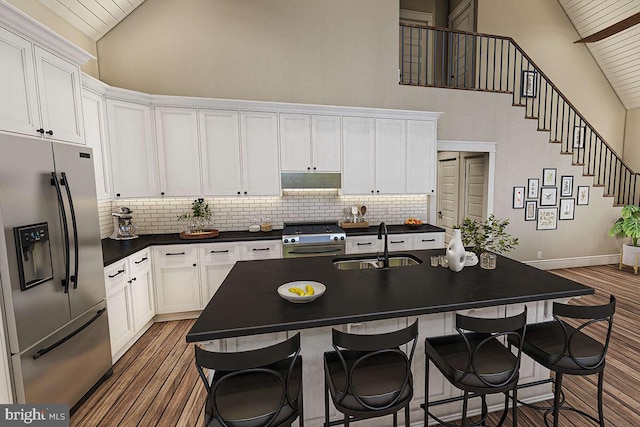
(436, 57)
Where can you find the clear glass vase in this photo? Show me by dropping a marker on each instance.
(488, 260)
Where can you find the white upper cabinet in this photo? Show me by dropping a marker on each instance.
(131, 149)
(60, 99)
(260, 165)
(358, 149)
(309, 143)
(95, 135)
(421, 155)
(220, 144)
(178, 151)
(19, 102)
(391, 143)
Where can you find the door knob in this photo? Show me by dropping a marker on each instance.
(440, 214)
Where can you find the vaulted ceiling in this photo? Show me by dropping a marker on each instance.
(95, 18)
(619, 55)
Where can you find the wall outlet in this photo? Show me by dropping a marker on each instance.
(539, 254)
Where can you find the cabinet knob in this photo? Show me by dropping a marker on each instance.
(309, 168)
(314, 168)
(134, 279)
(238, 192)
(245, 192)
(194, 264)
(117, 194)
(377, 191)
(49, 132)
(371, 191)
(40, 131)
(162, 193)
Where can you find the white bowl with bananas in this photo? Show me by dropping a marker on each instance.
(301, 291)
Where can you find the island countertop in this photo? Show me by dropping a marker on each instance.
(247, 302)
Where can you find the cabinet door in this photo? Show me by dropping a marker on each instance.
(421, 157)
(358, 141)
(326, 143)
(178, 151)
(19, 101)
(95, 135)
(142, 301)
(260, 166)
(295, 142)
(120, 323)
(133, 170)
(216, 260)
(220, 145)
(363, 244)
(391, 160)
(60, 98)
(212, 278)
(176, 279)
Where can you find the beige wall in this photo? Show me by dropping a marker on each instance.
(632, 139)
(545, 33)
(50, 19)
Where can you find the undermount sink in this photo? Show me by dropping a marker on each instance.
(395, 261)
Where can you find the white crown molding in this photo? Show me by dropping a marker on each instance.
(19, 22)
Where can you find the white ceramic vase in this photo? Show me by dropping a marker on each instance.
(456, 255)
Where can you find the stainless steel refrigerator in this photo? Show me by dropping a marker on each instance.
(51, 271)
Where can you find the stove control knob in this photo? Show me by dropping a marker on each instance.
(286, 240)
(293, 240)
(335, 238)
(342, 238)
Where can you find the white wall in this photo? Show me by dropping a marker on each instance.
(632, 139)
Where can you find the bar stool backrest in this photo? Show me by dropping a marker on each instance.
(234, 364)
(595, 314)
(372, 346)
(493, 329)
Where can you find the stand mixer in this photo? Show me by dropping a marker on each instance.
(123, 228)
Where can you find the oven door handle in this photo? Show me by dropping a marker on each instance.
(314, 251)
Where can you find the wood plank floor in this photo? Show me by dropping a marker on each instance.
(156, 384)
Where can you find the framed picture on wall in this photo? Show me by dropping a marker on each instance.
(530, 210)
(578, 136)
(567, 208)
(547, 219)
(528, 84)
(548, 196)
(583, 195)
(566, 186)
(533, 184)
(518, 197)
(549, 177)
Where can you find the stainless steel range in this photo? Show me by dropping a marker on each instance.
(305, 239)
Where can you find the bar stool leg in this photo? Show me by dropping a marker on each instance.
(301, 405)
(346, 421)
(515, 405)
(464, 407)
(600, 384)
(426, 393)
(407, 422)
(395, 419)
(326, 403)
(556, 399)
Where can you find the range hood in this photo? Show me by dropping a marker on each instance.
(297, 180)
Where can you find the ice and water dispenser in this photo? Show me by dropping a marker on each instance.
(34, 254)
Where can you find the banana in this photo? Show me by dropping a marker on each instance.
(297, 291)
(310, 291)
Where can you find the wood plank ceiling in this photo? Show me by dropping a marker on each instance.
(619, 55)
(95, 18)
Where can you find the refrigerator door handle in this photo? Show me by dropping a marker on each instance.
(46, 350)
(55, 182)
(74, 226)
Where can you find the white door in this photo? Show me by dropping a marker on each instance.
(447, 203)
(391, 156)
(421, 157)
(415, 56)
(19, 101)
(142, 301)
(326, 142)
(474, 187)
(295, 142)
(60, 98)
(120, 322)
(220, 145)
(461, 49)
(178, 151)
(95, 135)
(260, 159)
(358, 154)
(131, 149)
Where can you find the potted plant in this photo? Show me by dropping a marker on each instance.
(487, 239)
(628, 226)
(198, 220)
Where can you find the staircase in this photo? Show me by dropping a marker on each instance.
(443, 58)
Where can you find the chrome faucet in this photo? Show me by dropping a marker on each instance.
(385, 258)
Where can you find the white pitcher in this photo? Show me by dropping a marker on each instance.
(456, 255)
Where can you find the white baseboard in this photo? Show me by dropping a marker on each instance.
(177, 316)
(585, 261)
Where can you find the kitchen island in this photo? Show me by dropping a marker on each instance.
(247, 312)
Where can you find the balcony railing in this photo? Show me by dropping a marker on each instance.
(443, 58)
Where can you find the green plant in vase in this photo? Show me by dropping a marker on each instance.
(198, 220)
(628, 227)
(487, 238)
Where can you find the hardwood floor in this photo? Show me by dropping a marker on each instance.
(156, 384)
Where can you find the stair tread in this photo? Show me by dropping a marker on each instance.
(588, 174)
(566, 153)
(599, 185)
(555, 141)
(518, 105)
(544, 130)
(531, 117)
(577, 164)
(508, 92)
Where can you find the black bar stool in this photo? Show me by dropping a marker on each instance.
(476, 361)
(369, 376)
(256, 388)
(565, 349)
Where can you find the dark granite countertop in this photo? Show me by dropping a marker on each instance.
(115, 250)
(247, 302)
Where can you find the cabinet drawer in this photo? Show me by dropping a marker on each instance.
(175, 255)
(115, 275)
(363, 244)
(266, 249)
(140, 261)
(220, 253)
(428, 241)
(399, 242)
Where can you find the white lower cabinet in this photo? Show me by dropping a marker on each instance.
(261, 249)
(216, 261)
(177, 278)
(396, 242)
(130, 301)
(363, 244)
